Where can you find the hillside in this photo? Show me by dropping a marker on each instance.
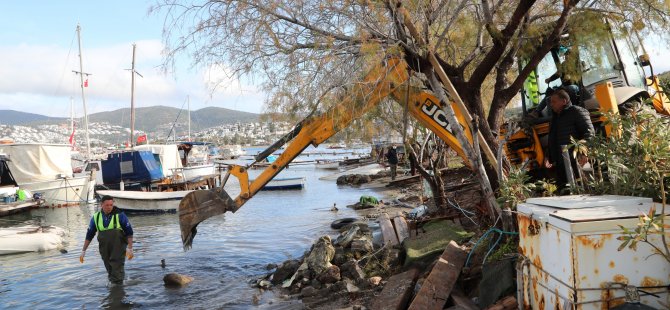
(11, 117)
(150, 119)
(161, 117)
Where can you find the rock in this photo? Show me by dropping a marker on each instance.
(330, 275)
(287, 269)
(351, 270)
(321, 255)
(362, 245)
(175, 279)
(375, 281)
(351, 288)
(270, 266)
(342, 180)
(264, 284)
(308, 291)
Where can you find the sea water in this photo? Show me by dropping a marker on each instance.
(230, 252)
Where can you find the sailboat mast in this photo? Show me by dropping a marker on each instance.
(71, 114)
(188, 99)
(132, 100)
(83, 97)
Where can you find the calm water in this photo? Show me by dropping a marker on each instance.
(229, 252)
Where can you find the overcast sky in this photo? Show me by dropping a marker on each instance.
(38, 51)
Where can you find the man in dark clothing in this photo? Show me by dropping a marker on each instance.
(567, 121)
(115, 239)
(392, 157)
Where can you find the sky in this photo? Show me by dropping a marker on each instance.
(39, 51)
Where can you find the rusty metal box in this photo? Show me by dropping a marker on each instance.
(570, 257)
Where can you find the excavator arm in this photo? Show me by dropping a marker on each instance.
(389, 78)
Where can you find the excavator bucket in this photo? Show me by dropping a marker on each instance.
(198, 206)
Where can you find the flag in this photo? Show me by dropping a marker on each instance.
(142, 139)
(86, 83)
(72, 137)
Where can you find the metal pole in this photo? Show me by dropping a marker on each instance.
(568, 166)
(83, 97)
(188, 99)
(132, 100)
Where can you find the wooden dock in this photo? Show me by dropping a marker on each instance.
(19, 206)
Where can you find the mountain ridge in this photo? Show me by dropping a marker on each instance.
(150, 119)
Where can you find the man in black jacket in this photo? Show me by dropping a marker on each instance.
(567, 121)
(392, 157)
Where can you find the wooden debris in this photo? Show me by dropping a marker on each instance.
(507, 303)
(437, 287)
(397, 291)
(463, 302)
(388, 232)
(401, 227)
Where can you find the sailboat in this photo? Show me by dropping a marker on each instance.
(150, 177)
(45, 170)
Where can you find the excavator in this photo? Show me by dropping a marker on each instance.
(612, 79)
(390, 78)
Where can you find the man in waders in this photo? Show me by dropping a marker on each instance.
(115, 239)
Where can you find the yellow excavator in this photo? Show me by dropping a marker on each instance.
(390, 78)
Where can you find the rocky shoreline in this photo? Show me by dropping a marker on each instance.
(364, 268)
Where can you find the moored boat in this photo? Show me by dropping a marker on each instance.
(46, 169)
(146, 202)
(327, 164)
(30, 238)
(285, 183)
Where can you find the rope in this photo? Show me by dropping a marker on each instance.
(467, 261)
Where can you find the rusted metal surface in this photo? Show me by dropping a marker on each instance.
(570, 257)
(437, 287)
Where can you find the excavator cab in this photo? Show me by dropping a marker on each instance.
(608, 75)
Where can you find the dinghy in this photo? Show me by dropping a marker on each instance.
(30, 238)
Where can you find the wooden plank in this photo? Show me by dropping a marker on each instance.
(462, 301)
(397, 291)
(401, 228)
(437, 287)
(388, 233)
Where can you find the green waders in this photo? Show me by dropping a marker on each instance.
(112, 244)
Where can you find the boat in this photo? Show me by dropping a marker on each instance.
(233, 151)
(146, 202)
(46, 169)
(30, 238)
(195, 161)
(285, 183)
(327, 164)
(148, 179)
(8, 208)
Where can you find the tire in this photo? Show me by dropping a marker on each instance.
(339, 223)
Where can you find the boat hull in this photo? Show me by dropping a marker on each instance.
(285, 184)
(146, 202)
(32, 238)
(69, 191)
(196, 172)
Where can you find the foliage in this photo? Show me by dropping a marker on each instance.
(648, 224)
(510, 246)
(516, 188)
(633, 159)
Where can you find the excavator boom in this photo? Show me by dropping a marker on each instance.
(388, 79)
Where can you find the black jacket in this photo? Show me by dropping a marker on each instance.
(574, 122)
(392, 156)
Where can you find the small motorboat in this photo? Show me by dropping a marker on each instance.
(30, 238)
(327, 164)
(285, 183)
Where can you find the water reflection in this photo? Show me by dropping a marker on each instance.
(117, 298)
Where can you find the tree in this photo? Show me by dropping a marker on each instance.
(306, 52)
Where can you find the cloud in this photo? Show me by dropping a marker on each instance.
(40, 78)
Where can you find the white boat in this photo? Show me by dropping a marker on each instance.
(285, 183)
(327, 164)
(30, 238)
(231, 151)
(194, 173)
(46, 169)
(195, 160)
(146, 202)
